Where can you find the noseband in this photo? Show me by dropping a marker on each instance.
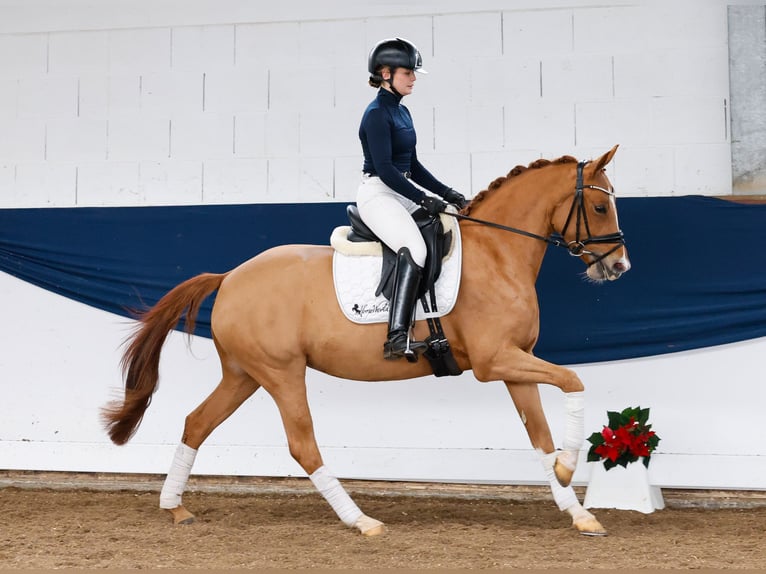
(577, 213)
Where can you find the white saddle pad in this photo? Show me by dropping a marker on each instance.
(356, 271)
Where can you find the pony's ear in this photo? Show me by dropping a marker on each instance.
(601, 162)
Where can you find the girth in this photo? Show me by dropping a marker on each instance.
(438, 244)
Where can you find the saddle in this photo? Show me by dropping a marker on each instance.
(438, 243)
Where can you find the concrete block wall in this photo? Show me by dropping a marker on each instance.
(265, 107)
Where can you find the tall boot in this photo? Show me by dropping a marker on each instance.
(407, 276)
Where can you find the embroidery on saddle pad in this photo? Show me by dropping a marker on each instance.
(356, 274)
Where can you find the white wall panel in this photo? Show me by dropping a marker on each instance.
(619, 121)
(170, 182)
(302, 88)
(108, 183)
(242, 89)
(540, 123)
(78, 52)
(250, 134)
(538, 32)
(468, 36)
(202, 136)
(702, 168)
(511, 80)
(140, 51)
(347, 173)
(47, 96)
(308, 180)
(643, 171)
(22, 139)
(327, 133)
(171, 94)
(611, 30)
(571, 78)
(76, 139)
(24, 54)
(688, 120)
(276, 44)
(235, 181)
(48, 184)
(469, 128)
(9, 89)
(348, 45)
(202, 48)
(598, 62)
(138, 137)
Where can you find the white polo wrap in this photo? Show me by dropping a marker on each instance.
(175, 482)
(336, 496)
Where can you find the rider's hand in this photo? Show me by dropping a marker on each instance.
(433, 205)
(455, 198)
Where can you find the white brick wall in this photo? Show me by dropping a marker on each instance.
(181, 112)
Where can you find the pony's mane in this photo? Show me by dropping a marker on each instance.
(518, 170)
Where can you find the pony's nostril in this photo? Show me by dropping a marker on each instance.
(620, 266)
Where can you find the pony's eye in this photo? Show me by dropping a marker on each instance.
(600, 208)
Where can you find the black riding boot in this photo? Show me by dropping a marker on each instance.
(401, 310)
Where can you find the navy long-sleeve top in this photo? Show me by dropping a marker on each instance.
(388, 142)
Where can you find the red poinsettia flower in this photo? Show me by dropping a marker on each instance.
(627, 438)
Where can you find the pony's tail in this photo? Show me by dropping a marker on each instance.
(141, 360)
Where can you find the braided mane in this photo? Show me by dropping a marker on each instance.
(518, 170)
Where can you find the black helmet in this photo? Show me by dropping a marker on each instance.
(395, 53)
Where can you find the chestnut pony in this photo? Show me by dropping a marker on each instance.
(265, 340)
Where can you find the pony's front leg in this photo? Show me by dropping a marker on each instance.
(526, 398)
(516, 366)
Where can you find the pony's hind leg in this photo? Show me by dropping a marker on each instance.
(526, 398)
(291, 400)
(230, 393)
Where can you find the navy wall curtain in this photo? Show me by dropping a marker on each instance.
(698, 276)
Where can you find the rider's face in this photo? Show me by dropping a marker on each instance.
(403, 81)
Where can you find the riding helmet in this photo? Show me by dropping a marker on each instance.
(395, 53)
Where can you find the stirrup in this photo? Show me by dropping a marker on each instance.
(399, 345)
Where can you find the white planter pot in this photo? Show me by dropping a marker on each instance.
(623, 488)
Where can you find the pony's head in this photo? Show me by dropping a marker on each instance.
(588, 224)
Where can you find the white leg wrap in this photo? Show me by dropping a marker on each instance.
(574, 434)
(175, 482)
(564, 496)
(336, 496)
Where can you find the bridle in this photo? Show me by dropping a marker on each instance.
(578, 214)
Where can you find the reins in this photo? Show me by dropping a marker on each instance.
(577, 247)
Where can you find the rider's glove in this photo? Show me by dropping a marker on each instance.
(433, 205)
(455, 198)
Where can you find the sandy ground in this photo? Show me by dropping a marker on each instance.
(293, 528)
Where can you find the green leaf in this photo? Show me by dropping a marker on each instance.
(646, 460)
(596, 439)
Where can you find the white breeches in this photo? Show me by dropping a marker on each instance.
(389, 215)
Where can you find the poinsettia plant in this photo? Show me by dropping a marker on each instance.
(628, 437)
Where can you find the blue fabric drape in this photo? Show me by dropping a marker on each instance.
(698, 276)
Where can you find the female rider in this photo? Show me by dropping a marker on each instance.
(388, 196)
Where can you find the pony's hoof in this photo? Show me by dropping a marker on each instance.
(589, 526)
(181, 515)
(563, 472)
(369, 526)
